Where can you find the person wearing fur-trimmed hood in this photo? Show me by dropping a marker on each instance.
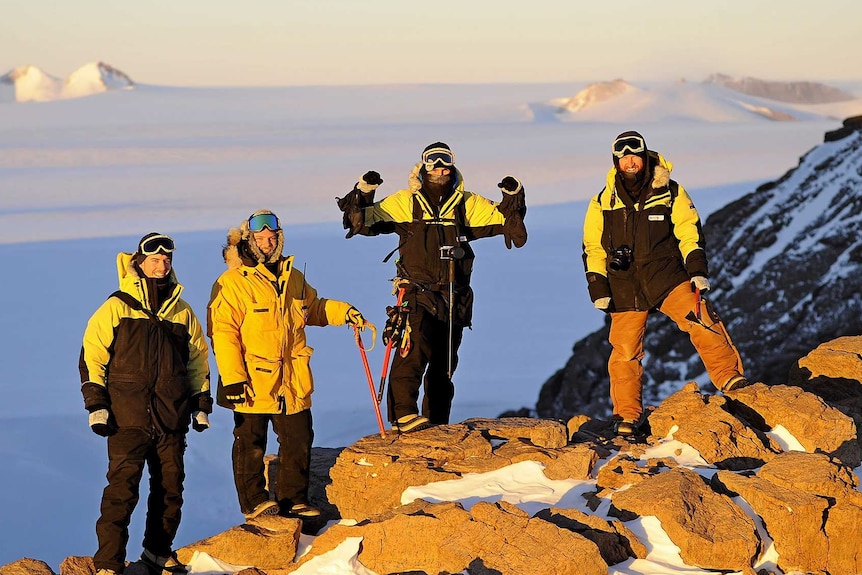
(436, 218)
(644, 250)
(256, 320)
(144, 378)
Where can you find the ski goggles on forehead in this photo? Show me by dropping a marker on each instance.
(629, 145)
(161, 243)
(261, 222)
(436, 157)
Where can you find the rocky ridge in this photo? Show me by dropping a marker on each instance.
(792, 92)
(750, 495)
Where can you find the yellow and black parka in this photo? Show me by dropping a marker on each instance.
(663, 231)
(424, 229)
(149, 376)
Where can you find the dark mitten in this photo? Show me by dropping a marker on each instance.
(202, 402)
(200, 421)
(102, 422)
(235, 392)
(354, 215)
(372, 178)
(510, 185)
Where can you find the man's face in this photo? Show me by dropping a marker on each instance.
(631, 164)
(156, 266)
(266, 240)
(439, 175)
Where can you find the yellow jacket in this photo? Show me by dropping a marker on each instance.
(257, 326)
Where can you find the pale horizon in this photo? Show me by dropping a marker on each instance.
(338, 42)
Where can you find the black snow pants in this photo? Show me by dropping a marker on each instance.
(128, 450)
(295, 435)
(428, 362)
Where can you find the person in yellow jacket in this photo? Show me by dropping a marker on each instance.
(436, 218)
(258, 311)
(144, 378)
(643, 249)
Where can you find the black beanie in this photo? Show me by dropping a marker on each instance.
(139, 256)
(436, 145)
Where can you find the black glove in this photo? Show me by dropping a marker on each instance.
(372, 178)
(102, 423)
(235, 392)
(510, 185)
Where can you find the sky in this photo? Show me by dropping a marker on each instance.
(82, 179)
(344, 42)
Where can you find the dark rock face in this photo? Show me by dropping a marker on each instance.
(786, 268)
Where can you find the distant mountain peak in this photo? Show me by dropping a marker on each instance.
(31, 84)
(791, 92)
(95, 77)
(596, 93)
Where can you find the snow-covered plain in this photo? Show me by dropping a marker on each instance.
(82, 179)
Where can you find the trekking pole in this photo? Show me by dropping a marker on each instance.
(451, 253)
(389, 345)
(451, 307)
(368, 375)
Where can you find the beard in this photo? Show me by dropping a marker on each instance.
(437, 187)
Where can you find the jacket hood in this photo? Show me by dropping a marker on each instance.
(128, 271)
(132, 283)
(241, 250)
(414, 180)
(661, 170)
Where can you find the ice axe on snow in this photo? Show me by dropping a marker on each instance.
(356, 332)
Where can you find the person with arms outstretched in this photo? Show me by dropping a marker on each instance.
(435, 219)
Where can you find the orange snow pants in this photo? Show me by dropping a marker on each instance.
(709, 338)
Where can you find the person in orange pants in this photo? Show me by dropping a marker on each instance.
(644, 250)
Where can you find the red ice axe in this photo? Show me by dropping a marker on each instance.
(368, 375)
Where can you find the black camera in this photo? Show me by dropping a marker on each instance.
(452, 252)
(621, 259)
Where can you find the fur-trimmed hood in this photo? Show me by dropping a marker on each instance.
(414, 180)
(241, 250)
(661, 170)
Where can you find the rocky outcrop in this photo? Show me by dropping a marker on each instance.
(704, 422)
(711, 531)
(810, 508)
(27, 566)
(369, 477)
(743, 495)
(264, 542)
(444, 538)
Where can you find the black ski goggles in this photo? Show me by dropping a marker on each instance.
(438, 157)
(262, 222)
(155, 244)
(628, 146)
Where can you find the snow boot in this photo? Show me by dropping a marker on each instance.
(157, 564)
